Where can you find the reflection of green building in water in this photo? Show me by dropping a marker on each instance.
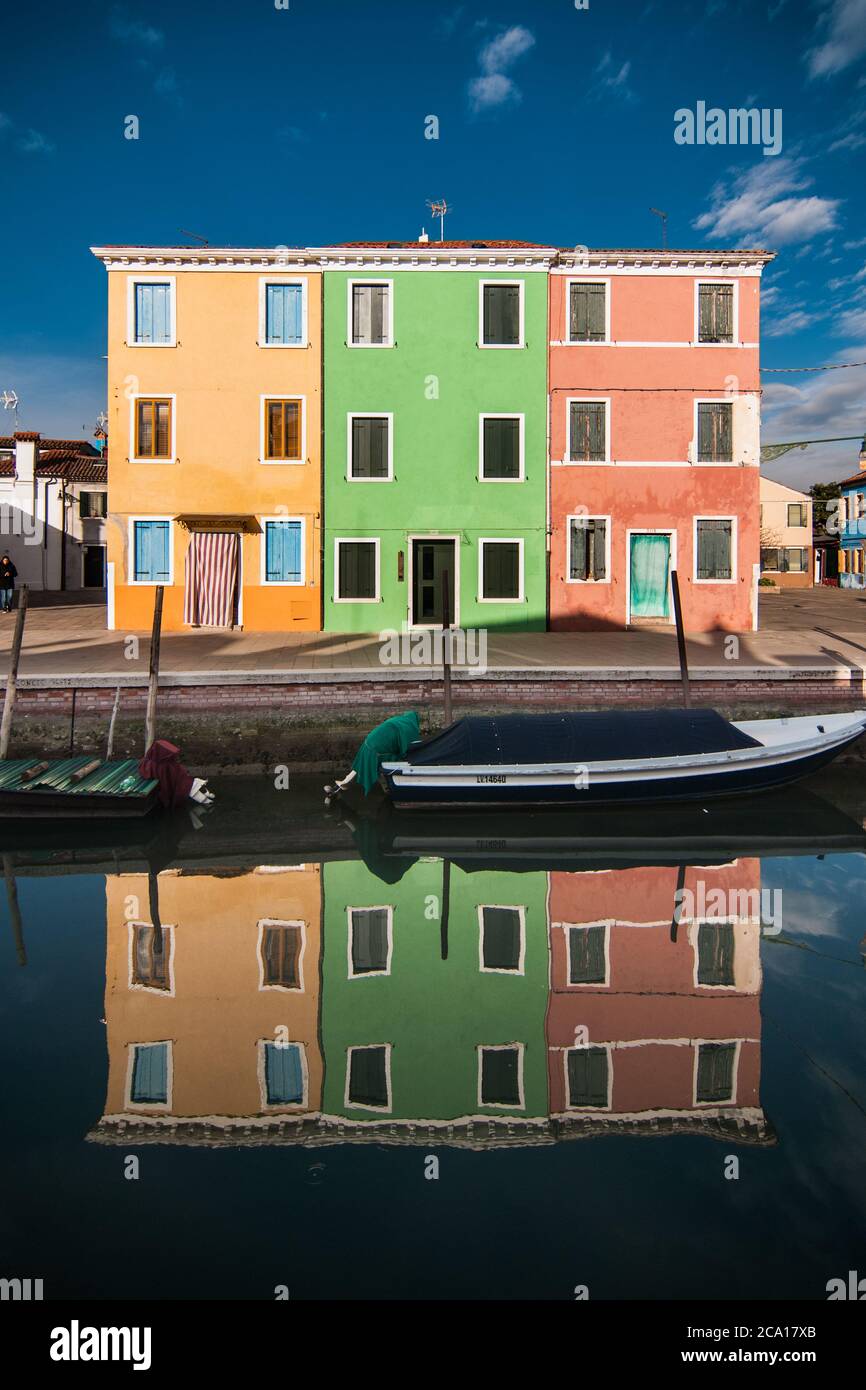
(409, 1036)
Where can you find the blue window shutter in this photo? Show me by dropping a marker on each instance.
(283, 552)
(152, 558)
(284, 314)
(284, 1075)
(152, 313)
(161, 555)
(150, 1073)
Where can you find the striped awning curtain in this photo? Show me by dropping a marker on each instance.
(211, 579)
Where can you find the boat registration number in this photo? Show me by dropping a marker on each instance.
(490, 777)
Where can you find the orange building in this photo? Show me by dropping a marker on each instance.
(214, 400)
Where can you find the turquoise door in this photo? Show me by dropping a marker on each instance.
(650, 569)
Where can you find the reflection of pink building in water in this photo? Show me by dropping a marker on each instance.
(642, 1027)
(654, 437)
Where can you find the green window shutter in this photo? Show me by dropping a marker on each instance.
(716, 953)
(714, 549)
(579, 549)
(369, 940)
(370, 447)
(586, 962)
(715, 440)
(500, 1076)
(500, 570)
(587, 1077)
(501, 319)
(716, 1071)
(715, 313)
(501, 448)
(588, 431)
(500, 940)
(368, 1077)
(357, 570)
(587, 313)
(599, 556)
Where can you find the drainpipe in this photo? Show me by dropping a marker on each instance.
(44, 532)
(63, 536)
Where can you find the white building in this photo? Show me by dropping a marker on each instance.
(786, 536)
(53, 496)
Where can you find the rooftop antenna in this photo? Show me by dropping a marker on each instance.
(439, 208)
(195, 237)
(664, 217)
(10, 402)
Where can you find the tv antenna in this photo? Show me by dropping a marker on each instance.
(664, 217)
(194, 236)
(440, 208)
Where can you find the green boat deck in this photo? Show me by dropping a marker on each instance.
(108, 779)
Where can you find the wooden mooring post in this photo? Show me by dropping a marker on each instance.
(446, 647)
(12, 678)
(681, 639)
(153, 680)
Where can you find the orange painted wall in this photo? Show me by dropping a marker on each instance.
(218, 373)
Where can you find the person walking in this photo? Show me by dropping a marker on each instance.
(8, 575)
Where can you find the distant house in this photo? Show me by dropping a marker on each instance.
(852, 538)
(786, 536)
(53, 496)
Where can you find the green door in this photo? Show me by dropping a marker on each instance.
(650, 569)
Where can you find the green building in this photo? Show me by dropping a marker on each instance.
(414, 1032)
(435, 399)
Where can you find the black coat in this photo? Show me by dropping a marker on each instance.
(8, 574)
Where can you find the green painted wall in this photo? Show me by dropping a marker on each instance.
(434, 1013)
(436, 463)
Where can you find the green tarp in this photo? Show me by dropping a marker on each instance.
(386, 741)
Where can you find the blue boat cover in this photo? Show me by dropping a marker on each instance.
(487, 741)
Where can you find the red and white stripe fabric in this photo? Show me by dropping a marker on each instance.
(211, 579)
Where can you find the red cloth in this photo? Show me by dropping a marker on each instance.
(162, 761)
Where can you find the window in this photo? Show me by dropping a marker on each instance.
(357, 564)
(715, 313)
(714, 547)
(284, 315)
(797, 514)
(149, 1084)
(153, 429)
(284, 1074)
(715, 1072)
(587, 312)
(587, 548)
(587, 961)
(784, 560)
(281, 945)
(501, 1076)
(369, 447)
(92, 504)
(371, 314)
(716, 953)
(369, 940)
(795, 559)
(284, 431)
(501, 314)
(501, 447)
(587, 432)
(368, 1082)
(153, 313)
(587, 1075)
(501, 564)
(502, 938)
(284, 552)
(715, 443)
(151, 948)
(151, 552)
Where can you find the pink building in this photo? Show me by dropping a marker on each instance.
(654, 438)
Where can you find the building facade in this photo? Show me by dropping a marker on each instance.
(214, 385)
(787, 551)
(435, 435)
(654, 437)
(52, 511)
(852, 532)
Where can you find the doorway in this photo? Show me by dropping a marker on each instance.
(93, 574)
(649, 576)
(431, 560)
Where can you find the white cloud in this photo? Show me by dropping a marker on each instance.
(166, 86)
(752, 206)
(854, 245)
(610, 78)
(134, 31)
(502, 53)
(843, 27)
(494, 88)
(820, 405)
(854, 141)
(791, 322)
(34, 142)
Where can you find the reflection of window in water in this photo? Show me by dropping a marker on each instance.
(716, 953)
(370, 940)
(284, 1074)
(586, 955)
(716, 1071)
(501, 1076)
(368, 1077)
(150, 951)
(587, 1077)
(281, 954)
(150, 1074)
(501, 938)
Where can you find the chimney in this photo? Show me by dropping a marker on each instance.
(26, 443)
(863, 453)
(423, 239)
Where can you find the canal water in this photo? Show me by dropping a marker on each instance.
(272, 1048)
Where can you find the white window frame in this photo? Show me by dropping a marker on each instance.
(130, 550)
(718, 516)
(136, 1105)
(521, 444)
(280, 1106)
(714, 400)
(502, 347)
(588, 1109)
(735, 1071)
(350, 928)
(275, 396)
(133, 441)
(520, 909)
(281, 922)
(587, 280)
(131, 282)
(501, 540)
(263, 547)
(370, 415)
(356, 1105)
(169, 929)
(588, 516)
(357, 540)
(264, 281)
(481, 1048)
(568, 461)
(350, 296)
(716, 280)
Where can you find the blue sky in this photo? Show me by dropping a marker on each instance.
(306, 125)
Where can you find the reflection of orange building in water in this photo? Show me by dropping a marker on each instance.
(649, 1022)
(212, 1016)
